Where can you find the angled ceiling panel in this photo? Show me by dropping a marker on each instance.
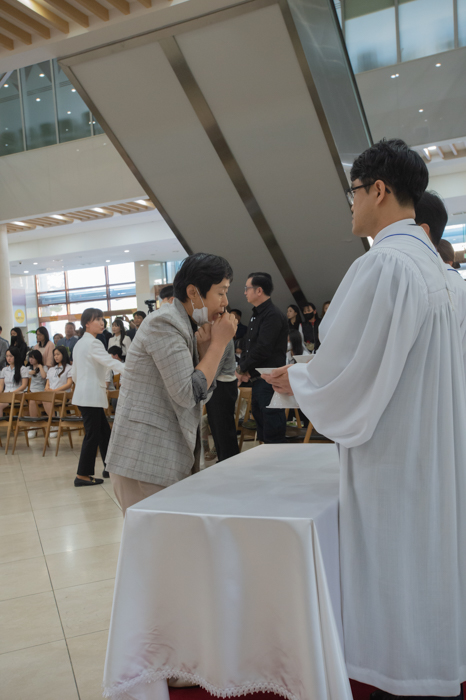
(221, 123)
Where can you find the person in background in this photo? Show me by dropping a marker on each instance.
(264, 346)
(310, 327)
(3, 348)
(169, 372)
(138, 318)
(38, 378)
(90, 365)
(58, 378)
(106, 333)
(45, 346)
(57, 338)
(221, 406)
(119, 336)
(166, 294)
(325, 306)
(13, 377)
(295, 346)
(242, 329)
(116, 352)
(17, 341)
(71, 337)
(294, 318)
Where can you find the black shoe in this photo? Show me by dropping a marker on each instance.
(85, 482)
(105, 474)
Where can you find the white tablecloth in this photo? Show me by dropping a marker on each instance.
(230, 579)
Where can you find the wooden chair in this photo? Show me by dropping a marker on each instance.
(297, 416)
(26, 422)
(70, 420)
(110, 411)
(14, 402)
(313, 436)
(244, 394)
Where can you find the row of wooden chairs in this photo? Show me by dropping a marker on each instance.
(69, 419)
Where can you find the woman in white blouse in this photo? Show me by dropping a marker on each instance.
(13, 377)
(59, 376)
(91, 363)
(119, 337)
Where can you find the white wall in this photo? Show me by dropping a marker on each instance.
(74, 175)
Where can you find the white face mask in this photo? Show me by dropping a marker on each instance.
(200, 316)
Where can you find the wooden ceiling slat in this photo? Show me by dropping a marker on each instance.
(23, 36)
(96, 8)
(120, 5)
(70, 11)
(146, 3)
(22, 17)
(7, 42)
(47, 15)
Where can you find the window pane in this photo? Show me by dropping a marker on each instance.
(97, 128)
(124, 303)
(462, 22)
(83, 305)
(90, 293)
(121, 273)
(11, 130)
(38, 105)
(52, 298)
(55, 310)
(74, 119)
(455, 234)
(123, 290)
(51, 281)
(88, 277)
(370, 33)
(426, 27)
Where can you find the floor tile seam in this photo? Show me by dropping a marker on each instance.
(71, 504)
(28, 595)
(75, 585)
(71, 525)
(76, 636)
(13, 561)
(33, 646)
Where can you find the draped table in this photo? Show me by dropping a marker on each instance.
(230, 579)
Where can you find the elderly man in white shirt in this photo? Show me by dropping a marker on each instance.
(387, 384)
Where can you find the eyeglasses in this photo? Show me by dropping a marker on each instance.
(246, 288)
(351, 190)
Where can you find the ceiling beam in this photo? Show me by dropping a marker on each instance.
(22, 17)
(120, 5)
(7, 42)
(70, 11)
(96, 8)
(49, 17)
(23, 36)
(146, 3)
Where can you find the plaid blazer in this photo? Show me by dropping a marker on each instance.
(157, 421)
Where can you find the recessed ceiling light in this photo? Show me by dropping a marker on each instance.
(58, 216)
(395, 75)
(41, 75)
(126, 251)
(421, 110)
(99, 210)
(37, 99)
(73, 89)
(437, 65)
(107, 261)
(26, 272)
(35, 263)
(141, 265)
(68, 112)
(6, 85)
(143, 202)
(18, 223)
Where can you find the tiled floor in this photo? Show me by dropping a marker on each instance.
(58, 554)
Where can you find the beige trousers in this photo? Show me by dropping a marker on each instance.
(130, 491)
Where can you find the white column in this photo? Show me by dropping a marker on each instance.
(143, 283)
(6, 302)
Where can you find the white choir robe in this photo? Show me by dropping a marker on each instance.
(457, 286)
(387, 384)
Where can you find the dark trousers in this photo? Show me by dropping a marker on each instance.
(97, 435)
(271, 422)
(221, 414)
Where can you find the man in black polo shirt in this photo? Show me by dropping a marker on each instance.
(264, 346)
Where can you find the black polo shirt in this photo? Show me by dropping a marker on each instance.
(266, 339)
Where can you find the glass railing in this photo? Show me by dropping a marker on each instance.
(39, 107)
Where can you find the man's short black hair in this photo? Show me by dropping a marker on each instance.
(263, 280)
(236, 311)
(139, 313)
(431, 210)
(116, 350)
(202, 270)
(166, 292)
(397, 165)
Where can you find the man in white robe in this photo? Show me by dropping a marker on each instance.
(387, 384)
(432, 216)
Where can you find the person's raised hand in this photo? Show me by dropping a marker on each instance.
(224, 328)
(203, 336)
(279, 380)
